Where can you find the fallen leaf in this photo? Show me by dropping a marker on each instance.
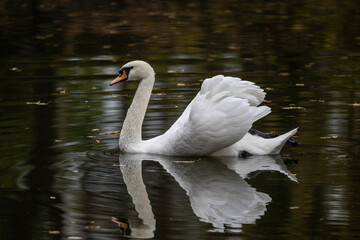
(43, 37)
(287, 108)
(95, 129)
(309, 65)
(98, 140)
(299, 84)
(37, 103)
(284, 74)
(317, 100)
(355, 104)
(294, 207)
(54, 232)
(16, 69)
(109, 133)
(187, 84)
(330, 137)
(74, 237)
(57, 141)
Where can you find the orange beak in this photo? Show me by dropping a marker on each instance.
(120, 78)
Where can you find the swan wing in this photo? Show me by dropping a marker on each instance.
(220, 115)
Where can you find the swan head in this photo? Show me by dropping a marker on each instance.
(134, 71)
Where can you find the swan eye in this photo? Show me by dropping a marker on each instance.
(126, 70)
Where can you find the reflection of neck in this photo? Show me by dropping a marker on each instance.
(132, 175)
(131, 129)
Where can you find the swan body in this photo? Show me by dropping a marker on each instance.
(216, 122)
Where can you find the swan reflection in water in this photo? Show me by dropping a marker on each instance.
(218, 193)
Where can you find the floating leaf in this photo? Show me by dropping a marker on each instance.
(284, 74)
(187, 84)
(109, 133)
(317, 100)
(16, 69)
(294, 207)
(298, 107)
(330, 137)
(309, 65)
(95, 129)
(37, 103)
(55, 232)
(355, 104)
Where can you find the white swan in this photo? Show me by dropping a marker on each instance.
(216, 122)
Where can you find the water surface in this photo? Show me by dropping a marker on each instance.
(61, 176)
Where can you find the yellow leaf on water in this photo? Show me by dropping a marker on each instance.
(298, 107)
(95, 129)
(330, 137)
(16, 69)
(355, 104)
(284, 74)
(187, 84)
(54, 232)
(294, 207)
(37, 103)
(109, 133)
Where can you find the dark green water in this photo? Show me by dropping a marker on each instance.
(59, 179)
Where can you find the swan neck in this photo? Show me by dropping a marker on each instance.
(131, 131)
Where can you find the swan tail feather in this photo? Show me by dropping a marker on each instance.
(257, 145)
(282, 139)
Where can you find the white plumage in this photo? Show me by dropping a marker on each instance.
(216, 122)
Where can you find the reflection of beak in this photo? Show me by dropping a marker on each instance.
(124, 226)
(120, 78)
